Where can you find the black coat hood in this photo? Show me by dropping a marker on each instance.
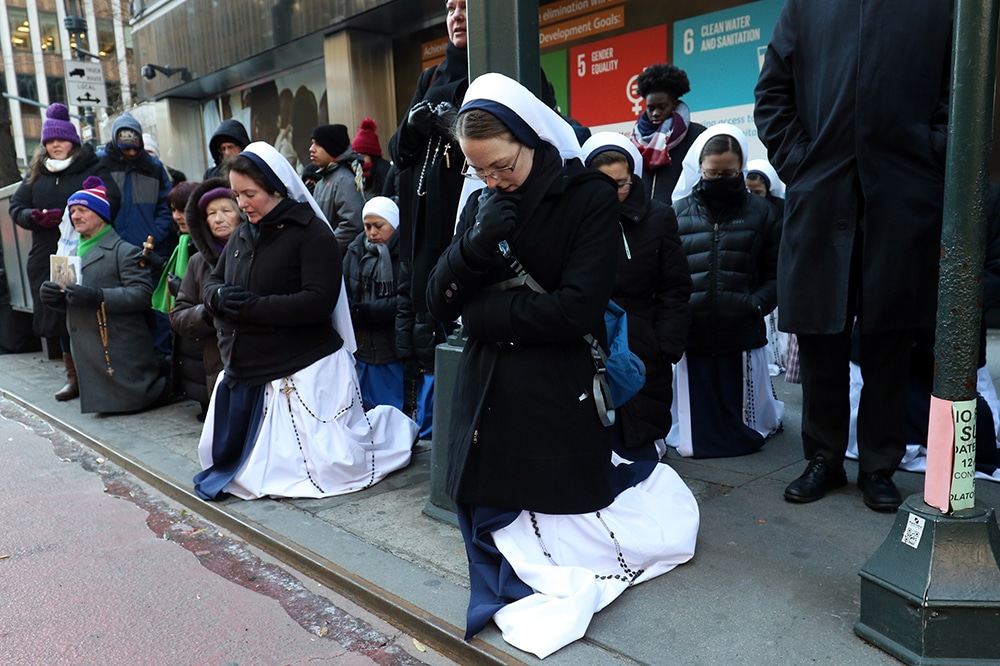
(197, 225)
(229, 130)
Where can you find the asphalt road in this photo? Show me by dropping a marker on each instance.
(98, 568)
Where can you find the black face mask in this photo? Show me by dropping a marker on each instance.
(724, 191)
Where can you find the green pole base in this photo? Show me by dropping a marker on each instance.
(446, 357)
(930, 595)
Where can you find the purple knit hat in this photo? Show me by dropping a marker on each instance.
(58, 126)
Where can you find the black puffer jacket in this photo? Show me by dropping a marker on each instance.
(653, 286)
(733, 257)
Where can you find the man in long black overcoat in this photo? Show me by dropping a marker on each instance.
(852, 105)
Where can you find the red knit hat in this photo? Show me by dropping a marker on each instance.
(366, 140)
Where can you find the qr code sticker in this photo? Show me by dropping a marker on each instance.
(914, 530)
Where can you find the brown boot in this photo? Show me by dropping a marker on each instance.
(72, 388)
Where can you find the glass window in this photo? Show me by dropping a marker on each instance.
(28, 88)
(20, 30)
(57, 89)
(49, 31)
(20, 33)
(106, 37)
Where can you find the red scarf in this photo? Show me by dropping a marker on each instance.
(656, 142)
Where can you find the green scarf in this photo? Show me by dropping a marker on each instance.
(85, 244)
(177, 265)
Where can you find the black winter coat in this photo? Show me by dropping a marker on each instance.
(427, 221)
(852, 105)
(653, 286)
(733, 257)
(374, 317)
(375, 179)
(291, 262)
(51, 190)
(524, 432)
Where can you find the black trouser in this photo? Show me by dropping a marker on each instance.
(826, 409)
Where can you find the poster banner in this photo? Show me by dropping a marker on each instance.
(949, 483)
(603, 75)
(742, 117)
(722, 53)
(282, 111)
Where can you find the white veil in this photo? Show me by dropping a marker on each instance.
(546, 123)
(691, 168)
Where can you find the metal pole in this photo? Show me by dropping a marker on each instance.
(970, 136)
(963, 233)
(931, 593)
(25, 100)
(503, 37)
(76, 26)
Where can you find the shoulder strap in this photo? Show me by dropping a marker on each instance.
(602, 391)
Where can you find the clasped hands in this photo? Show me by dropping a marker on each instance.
(229, 300)
(495, 221)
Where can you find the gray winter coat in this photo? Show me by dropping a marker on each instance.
(136, 381)
(340, 199)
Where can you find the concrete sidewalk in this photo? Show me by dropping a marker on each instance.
(771, 582)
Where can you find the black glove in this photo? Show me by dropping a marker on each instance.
(495, 222)
(421, 118)
(173, 284)
(229, 301)
(52, 295)
(83, 297)
(153, 262)
(444, 118)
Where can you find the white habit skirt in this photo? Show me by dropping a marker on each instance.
(592, 558)
(315, 438)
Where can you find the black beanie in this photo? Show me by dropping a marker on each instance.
(332, 138)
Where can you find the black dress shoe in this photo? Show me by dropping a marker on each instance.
(814, 483)
(880, 493)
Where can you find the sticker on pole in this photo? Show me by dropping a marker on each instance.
(963, 471)
(914, 530)
(85, 83)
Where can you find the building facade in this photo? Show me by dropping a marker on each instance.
(283, 66)
(35, 51)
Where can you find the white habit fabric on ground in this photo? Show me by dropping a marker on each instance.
(315, 439)
(915, 458)
(762, 410)
(652, 526)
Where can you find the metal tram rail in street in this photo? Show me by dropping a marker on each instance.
(445, 638)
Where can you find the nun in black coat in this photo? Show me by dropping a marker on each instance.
(653, 286)
(530, 464)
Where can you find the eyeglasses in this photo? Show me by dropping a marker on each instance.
(496, 174)
(624, 185)
(712, 174)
